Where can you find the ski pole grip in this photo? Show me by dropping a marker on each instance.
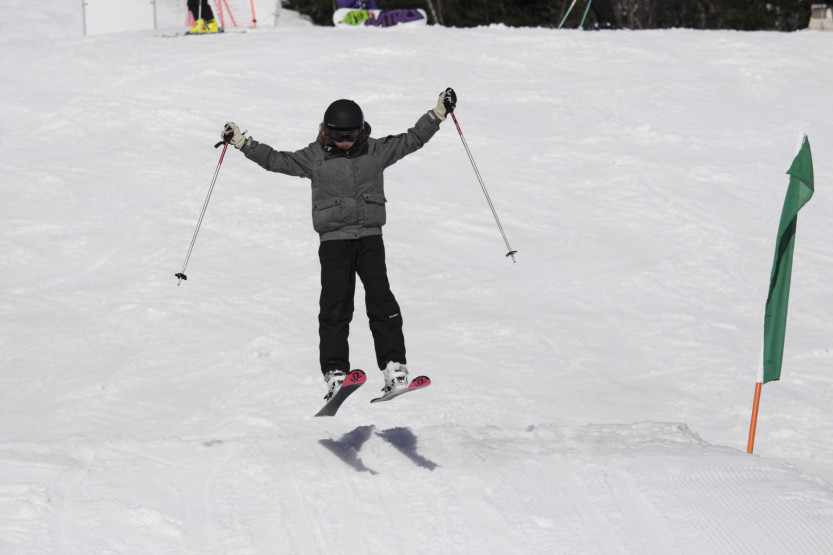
(450, 101)
(227, 139)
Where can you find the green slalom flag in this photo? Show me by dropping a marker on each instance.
(799, 192)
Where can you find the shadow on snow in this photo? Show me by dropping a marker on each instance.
(348, 446)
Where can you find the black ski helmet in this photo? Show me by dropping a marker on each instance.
(343, 115)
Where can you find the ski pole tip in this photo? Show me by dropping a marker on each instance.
(181, 276)
(512, 255)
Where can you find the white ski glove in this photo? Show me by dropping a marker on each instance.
(231, 134)
(446, 103)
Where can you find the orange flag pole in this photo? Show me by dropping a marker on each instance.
(231, 15)
(254, 17)
(754, 422)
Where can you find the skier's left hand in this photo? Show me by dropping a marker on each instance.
(446, 103)
(231, 134)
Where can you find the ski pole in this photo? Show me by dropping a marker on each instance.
(587, 9)
(181, 275)
(566, 15)
(511, 252)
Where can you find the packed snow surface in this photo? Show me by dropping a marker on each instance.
(593, 397)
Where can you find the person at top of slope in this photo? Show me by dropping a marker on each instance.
(345, 166)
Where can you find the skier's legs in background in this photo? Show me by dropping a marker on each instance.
(605, 16)
(194, 7)
(204, 21)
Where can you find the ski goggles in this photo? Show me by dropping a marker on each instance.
(341, 136)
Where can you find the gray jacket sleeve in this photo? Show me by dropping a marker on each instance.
(298, 163)
(395, 147)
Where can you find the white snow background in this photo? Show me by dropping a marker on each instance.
(594, 397)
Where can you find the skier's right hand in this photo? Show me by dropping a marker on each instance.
(231, 134)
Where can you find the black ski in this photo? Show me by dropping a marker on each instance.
(188, 34)
(417, 383)
(352, 381)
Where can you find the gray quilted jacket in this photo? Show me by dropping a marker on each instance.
(348, 189)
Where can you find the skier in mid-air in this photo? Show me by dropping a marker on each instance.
(345, 165)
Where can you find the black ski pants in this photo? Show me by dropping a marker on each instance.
(194, 6)
(341, 261)
(603, 10)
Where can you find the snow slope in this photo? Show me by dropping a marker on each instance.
(592, 398)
